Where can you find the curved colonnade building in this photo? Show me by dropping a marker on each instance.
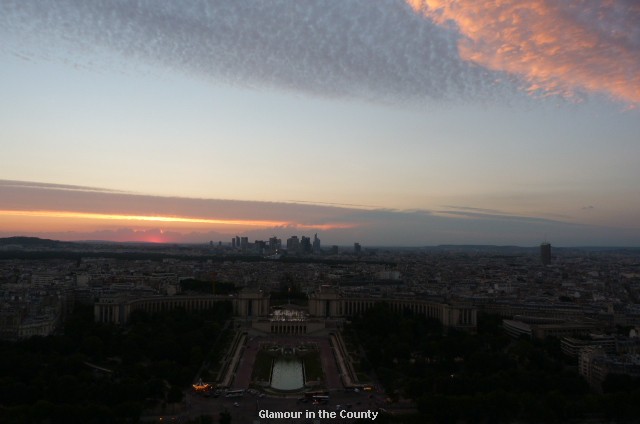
(327, 304)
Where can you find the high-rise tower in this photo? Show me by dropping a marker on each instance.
(316, 244)
(545, 253)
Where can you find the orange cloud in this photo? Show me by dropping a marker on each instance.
(556, 47)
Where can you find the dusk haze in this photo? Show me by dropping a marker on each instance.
(386, 122)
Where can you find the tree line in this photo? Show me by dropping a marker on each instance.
(485, 377)
(101, 373)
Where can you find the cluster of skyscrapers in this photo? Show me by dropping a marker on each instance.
(274, 245)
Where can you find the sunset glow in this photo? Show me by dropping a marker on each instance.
(547, 43)
(141, 218)
(39, 219)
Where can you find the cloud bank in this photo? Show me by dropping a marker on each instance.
(80, 202)
(556, 47)
(35, 209)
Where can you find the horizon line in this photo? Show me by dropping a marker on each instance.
(397, 246)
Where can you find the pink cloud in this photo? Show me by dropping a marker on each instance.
(555, 47)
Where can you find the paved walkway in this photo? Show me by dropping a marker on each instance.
(245, 366)
(236, 359)
(328, 359)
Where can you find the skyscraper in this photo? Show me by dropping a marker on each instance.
(244, 243)
(293, 244)
(275, 244)
(545, 253)
(305, 244)
(316, 244)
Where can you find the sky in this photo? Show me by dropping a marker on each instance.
(384, 122)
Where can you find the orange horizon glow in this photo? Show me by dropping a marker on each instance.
(170, 220)
(142, 218)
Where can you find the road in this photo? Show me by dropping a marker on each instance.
(247, 411)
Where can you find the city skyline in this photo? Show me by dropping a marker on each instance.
(386, 122)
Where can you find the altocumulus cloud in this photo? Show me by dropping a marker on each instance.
(371, 49)
(566, 47)
(366, 49)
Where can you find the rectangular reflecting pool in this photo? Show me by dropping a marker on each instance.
(287, 374)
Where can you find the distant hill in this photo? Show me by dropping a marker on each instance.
(471, 248)
(32, 242)
(486, 248)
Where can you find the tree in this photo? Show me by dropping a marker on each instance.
(225, 417)
(175, 395)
